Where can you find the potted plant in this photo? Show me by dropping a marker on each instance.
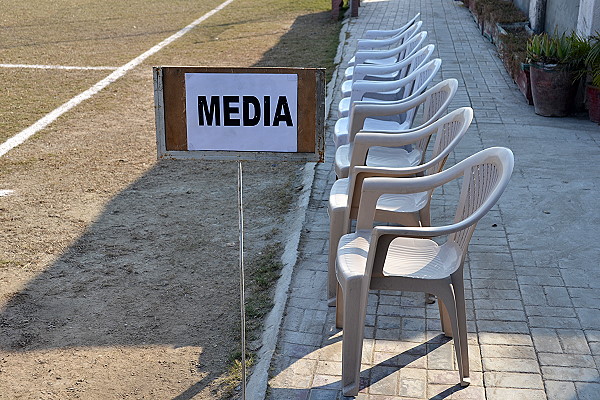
(592, 63)
(512, 47)
(554, 62)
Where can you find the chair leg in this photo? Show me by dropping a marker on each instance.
(336, 230)
(445, 319)
(352, 341)
(339, 308)
(447, 296)
(461, 312)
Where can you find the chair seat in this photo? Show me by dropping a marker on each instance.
(405, 203)
(387, 157)
(371, 124)
(406, 257)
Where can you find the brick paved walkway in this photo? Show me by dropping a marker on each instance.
(532, 275)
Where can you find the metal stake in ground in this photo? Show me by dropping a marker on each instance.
(242, 283)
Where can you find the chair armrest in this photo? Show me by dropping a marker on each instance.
(385, 172)
(361, 110)
(362, 55)
(361, 87)
(372, 44)
(416, 231)
(362, 70)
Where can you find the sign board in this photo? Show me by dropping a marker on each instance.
(240, 113)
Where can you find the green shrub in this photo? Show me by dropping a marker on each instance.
(568, 50)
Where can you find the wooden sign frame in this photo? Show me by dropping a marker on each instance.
(171, 125)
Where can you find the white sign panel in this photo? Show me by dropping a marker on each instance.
(242, 112)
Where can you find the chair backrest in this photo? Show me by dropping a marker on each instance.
(374, 34)
(420, 80)
(447, 137)
(449, 130)
(395, 46)
(390, 42)
(435, 101)
(415, 58)
(402, 89)
(485, 176)
(411, 45)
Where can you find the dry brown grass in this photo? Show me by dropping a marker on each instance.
(116, 270)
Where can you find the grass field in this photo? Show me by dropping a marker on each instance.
(117, 272)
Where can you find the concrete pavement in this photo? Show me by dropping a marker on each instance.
(532, 276)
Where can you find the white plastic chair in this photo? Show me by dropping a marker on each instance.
(405, 50)
(383, 91)
(378, 34)
(400, 115)
(407, 259)
(395, 71)
(371, 144)
(408, 210)
(381, 51)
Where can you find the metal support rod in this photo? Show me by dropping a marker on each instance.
(242, 283)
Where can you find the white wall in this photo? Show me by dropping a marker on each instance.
(561, 15)
(588, 21)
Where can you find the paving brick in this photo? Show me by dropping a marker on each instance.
(571, 374)
(501, 315)
(573, 341)
(546, 311)
(546, 340)
(587, 391)
(494, 393)
(510, 365)
(384, 380)
(504, 338)
(523, 296)
(323, 394)
(503, 326)
(589, 317)
(503, 351)
(566, 360)
(557, 390)
(513, 380)
(498, 304)
(410, 387)
(554, 322)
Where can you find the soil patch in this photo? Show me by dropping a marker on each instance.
(118, 273)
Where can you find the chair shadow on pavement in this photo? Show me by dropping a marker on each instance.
(370, 378)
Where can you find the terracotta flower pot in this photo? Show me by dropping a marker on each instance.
(523, 80)
(552, 89)
(593, 102)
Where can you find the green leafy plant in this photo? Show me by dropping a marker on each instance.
(592, 61)
(569, 51)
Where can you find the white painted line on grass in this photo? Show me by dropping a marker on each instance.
(69, 67)
(6, 192)
(26, 133)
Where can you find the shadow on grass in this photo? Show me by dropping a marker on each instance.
(311, 42)
(369, 376)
